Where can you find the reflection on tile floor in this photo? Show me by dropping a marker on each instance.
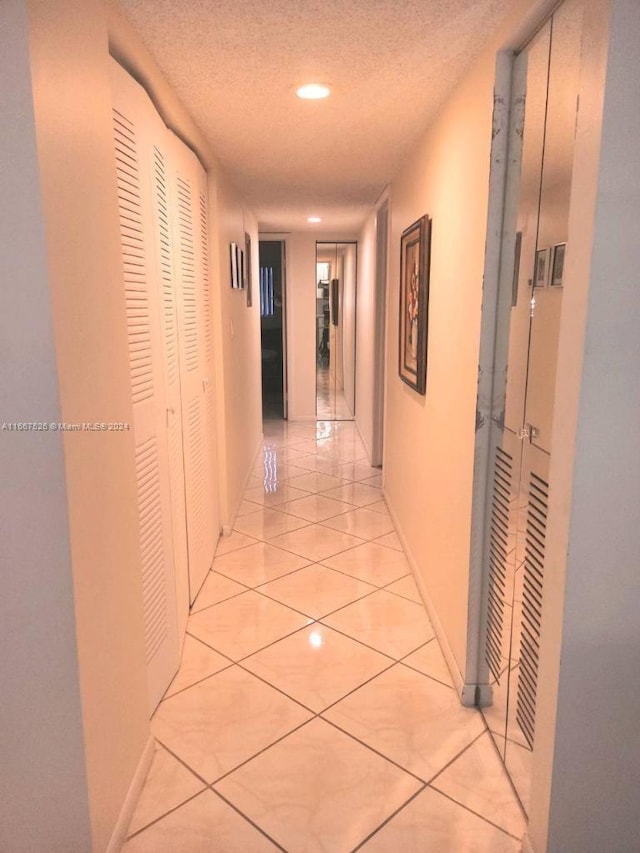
(313, 710)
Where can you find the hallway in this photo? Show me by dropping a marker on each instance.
(313, 709)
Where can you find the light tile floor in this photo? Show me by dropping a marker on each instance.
(313, 709)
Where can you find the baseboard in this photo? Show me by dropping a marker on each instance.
(227, 529)
(527, 846)
(466, 692)
(367, 449)
(119, 835)
(484, 695)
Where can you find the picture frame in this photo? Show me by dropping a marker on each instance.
(233, 260)
(557, 265)
(240, 264)
(415, 262)
(247, 270)
(541, 271)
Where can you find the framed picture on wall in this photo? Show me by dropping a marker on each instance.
(415, 250)
(240, 266)
(233, 258)
(247, 270)
(541, 271)
(557, 265)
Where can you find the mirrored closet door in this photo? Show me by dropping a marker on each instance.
(335, 330)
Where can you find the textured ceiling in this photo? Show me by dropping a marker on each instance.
(235, 64)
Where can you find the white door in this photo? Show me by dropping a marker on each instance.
(162, 191)
(132, 140)
(521, 486)
(195, 339)
(165, 252)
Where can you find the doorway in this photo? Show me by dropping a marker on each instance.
(336, 286)
(273, 329)
(546, 82)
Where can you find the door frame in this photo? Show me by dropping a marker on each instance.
(268, 237)
(383, 221)
(506, 152)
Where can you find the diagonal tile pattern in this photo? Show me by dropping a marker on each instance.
(313, 710)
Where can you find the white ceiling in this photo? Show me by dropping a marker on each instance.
(235, 65)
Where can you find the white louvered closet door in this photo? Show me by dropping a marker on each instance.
(164, 214)
(196, 361)
(132, 126)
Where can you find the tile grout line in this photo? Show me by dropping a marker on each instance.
(308, 615)
(389, 819)
(374, 750)
(247, 818)
(208, 786)
(168, 812)
(477, 814)
(430, 785)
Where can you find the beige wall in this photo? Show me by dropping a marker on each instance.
(43, 785)
(238, 363)
(348, 324)
(428, 460)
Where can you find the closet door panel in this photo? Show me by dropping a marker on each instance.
(165, 253)
(208, 364)
(132, 123)
(194, 337)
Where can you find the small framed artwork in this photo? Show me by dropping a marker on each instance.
(240, 265)
(542, 268)
(557, 265)
(415, 248)
(247, 270)
(233, 258)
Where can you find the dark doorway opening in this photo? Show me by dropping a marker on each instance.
(272, 329)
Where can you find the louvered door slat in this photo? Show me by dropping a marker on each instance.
(532, 606)
(503, 479)
(189, 284)
(138, 316)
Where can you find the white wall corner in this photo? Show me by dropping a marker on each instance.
(131, 800)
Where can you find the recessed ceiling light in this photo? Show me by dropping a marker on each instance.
(313, 91)
(314, 219)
